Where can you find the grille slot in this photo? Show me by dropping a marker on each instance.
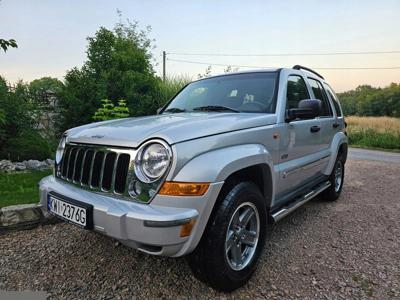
(87, 164)
(97, 168)
(71, 163)
(108, 171)
(78, 165)
(121, 173)
(64, 162)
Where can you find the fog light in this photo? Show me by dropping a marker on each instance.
(134, 188)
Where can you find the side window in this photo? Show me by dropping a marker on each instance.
(335, 100)
(320, 94)
(296, 91)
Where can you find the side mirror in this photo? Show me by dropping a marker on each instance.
(307, 109)
(159, 110)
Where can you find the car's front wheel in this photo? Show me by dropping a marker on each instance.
(231, 246)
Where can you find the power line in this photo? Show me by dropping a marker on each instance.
(259, 67)
(288, 54)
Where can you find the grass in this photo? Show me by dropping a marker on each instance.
(374, 132)
(20, 188)
(168, 88)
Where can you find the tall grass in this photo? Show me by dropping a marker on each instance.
(168, 88)
(374, 132)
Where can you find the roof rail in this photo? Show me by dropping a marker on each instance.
(298, 67)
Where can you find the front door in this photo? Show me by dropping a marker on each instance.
(300, 143)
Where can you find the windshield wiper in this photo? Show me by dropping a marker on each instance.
(215, 108)
(174, 110)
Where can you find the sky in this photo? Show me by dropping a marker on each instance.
(51, 35)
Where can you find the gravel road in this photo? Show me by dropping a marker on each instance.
(349, 249)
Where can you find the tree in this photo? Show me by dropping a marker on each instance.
(5, 44)
(18, 137)
(118, 66)
(366, 100)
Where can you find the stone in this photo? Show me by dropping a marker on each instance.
(20, 214)
(20, 166)
(6, 165)
(33, 164)
(49, 162)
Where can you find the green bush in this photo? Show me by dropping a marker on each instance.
(109, 111)
(29, 145)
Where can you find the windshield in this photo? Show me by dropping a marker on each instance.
(249, 92)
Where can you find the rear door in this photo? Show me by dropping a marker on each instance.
(328, 121)
(339, 123)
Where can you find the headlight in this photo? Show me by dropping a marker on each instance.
(60, 149)
(152, 161)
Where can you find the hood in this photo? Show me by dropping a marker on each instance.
(173, 128)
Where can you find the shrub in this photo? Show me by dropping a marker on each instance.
(29, 145)
(109, 111)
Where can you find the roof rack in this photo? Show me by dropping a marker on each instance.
(298, 67)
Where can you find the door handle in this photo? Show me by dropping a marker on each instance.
(315, 128)
(335, 125)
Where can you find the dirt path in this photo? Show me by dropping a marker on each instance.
(347, 249)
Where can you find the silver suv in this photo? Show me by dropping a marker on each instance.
(223, 160)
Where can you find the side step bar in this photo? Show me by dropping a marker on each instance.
(284, 211)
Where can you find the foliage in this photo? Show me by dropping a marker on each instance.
(15, 104)
(108, 111)
(230, 69)
(374, 132)
(21, 187)
(19, 123)
(206, 74)
(5, 44)
(45, 90)
(118, 66)
(28, 144)
(369, 101)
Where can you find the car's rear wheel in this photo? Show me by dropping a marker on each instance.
(232, 243)
(336, 179)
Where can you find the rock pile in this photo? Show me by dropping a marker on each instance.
(36, 165)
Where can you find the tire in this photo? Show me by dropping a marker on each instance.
(333, 192)
(215, 261)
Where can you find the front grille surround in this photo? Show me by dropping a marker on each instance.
(97, 168)
(107, 170)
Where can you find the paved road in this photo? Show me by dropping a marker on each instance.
(391, 157)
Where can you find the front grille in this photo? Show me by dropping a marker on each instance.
(95, 167)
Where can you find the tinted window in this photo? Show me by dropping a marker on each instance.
(252, 92)
(320, 94)
(335, 100)
(296, 91)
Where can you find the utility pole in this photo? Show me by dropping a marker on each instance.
(164, 58)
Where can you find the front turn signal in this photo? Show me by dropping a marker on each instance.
(172, 188)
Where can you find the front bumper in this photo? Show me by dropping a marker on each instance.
(124, 220)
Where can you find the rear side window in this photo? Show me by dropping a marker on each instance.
(335, 100)
(296, 91)
(320, 94)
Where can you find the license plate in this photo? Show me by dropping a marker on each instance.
(73, 211)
